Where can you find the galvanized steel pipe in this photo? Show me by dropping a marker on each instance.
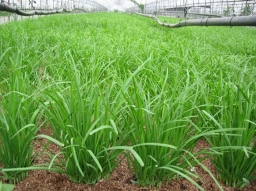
(7, 8)
(225, 21)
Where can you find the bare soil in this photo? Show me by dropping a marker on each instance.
(120, 179)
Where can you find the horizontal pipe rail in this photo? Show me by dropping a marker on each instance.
(225, 21)
(7, 8)
(10, 9)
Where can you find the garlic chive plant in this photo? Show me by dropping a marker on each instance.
(160, 127)
(237, 163)
(19, 118)
(84, 118)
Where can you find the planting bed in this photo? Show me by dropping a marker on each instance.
(120, 179)
(111, 101)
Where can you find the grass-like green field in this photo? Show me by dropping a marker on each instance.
(3, 13)
(110, 83)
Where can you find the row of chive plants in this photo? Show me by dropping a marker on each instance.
(114, 83)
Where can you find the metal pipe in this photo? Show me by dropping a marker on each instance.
(7, 8)
(225, 21)
(10, 9)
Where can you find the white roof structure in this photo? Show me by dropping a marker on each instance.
(179, 8)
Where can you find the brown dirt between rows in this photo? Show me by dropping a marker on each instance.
(120, 179)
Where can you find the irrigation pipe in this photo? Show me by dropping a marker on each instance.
(225, 21)
(7, 8)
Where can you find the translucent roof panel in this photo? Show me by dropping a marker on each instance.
(121, 5)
